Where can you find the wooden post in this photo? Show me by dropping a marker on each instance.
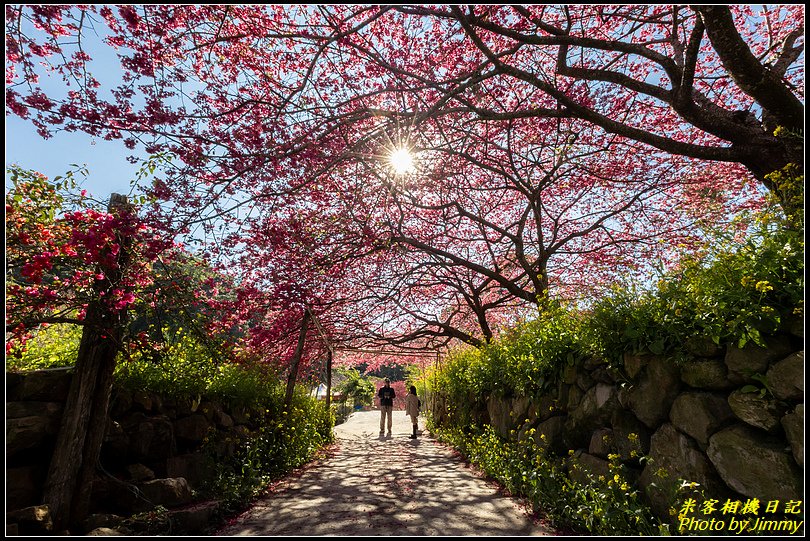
(78, 445)
(435, 386)
(328, 378)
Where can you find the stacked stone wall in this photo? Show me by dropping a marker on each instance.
(731, 419)
(156, 450)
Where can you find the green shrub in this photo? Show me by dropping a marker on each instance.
(285, 441)
(601, 505)
(356, 388)
(522, 361)
(742, 295)
(734, 294)
(52, 346)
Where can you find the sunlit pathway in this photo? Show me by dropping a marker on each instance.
(386, 486)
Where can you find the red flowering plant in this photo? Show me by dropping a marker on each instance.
(62, 254)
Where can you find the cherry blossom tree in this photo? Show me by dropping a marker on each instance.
(83, 267)
(490, 229)
(709, 82)
(265, 106)
(256, 100)
(555, 149)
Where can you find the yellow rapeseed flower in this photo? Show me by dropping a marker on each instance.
(763, 286)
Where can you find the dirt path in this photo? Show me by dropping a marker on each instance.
(386, 486)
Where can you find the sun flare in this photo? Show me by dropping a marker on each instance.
(401, 161)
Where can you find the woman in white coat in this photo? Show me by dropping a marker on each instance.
(412, 407)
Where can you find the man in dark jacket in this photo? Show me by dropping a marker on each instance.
(387, 395)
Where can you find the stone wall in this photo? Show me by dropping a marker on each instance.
(731, 419)
(152, 453)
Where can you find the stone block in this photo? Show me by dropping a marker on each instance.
(793, 423)
(192, 429)
(703, 346)
(196, 468)
(51, 384)
(700, 415)
(630, 436)
(594, 411)
(601, 443)
(786, 377)
(758, 411)
(196, 518)
(582, 466)
(755, 465)
(709, 374)
(675, 457)
(34, 520)
(26, 433)
(550, 434)
(654, 391)
(167, 492)
(743, 363)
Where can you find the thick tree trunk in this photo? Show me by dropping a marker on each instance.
(78, 445)
(69, 483)
(754, 78)
(97, 423)
(296, 360)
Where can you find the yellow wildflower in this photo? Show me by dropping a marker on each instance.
(764, 286)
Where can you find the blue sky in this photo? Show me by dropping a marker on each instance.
(109, 170)
(106, 161)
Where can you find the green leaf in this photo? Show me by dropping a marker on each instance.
(631, 332)
(756, 337)
(657, 347)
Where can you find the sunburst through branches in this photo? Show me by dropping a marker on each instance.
(402, 161)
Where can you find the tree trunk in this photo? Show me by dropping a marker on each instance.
(69, 483)
(296, 359)
(753, 78)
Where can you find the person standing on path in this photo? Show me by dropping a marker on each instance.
(412, 406)
(387, 395)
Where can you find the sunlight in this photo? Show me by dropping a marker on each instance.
(401, 160)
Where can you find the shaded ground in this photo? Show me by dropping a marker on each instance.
(377, 485)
